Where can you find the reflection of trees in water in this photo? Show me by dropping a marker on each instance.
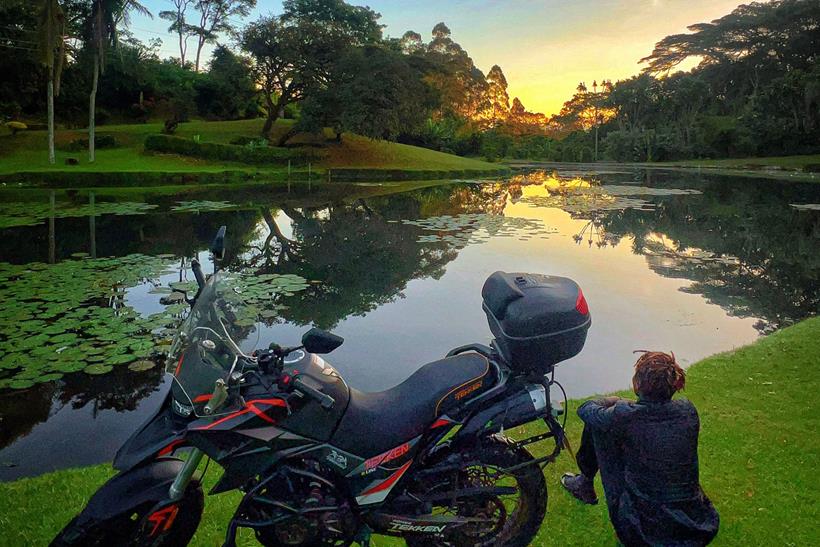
(744, 248)
(594, 233)
(361, 257)
(740, 242)
(121, 390)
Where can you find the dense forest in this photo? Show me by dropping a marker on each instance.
(326, 63)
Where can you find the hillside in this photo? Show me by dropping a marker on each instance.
(27, 151)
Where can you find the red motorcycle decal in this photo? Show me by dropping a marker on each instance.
(163, 516)
(250, 406)
(391, 454)
(170, 448)
(441, 422)
(390, 481)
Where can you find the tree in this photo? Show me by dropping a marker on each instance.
(20, 66)
(102, 32)
(461, 85)
(52, 56)
(497, 96)
(294, 54)
(373, 91)
(227, 91)
(277, 65)
(179, 25)
(214, 17)
(411, 43)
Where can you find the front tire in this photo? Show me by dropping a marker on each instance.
(135, 529)
(510, 522)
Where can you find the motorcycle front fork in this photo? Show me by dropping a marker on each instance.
(184, 476)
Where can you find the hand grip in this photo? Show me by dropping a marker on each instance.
(323, 399)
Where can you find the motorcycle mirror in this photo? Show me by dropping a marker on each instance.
(218, 245)
(320, 341)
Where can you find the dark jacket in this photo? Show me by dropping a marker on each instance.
(648, 457)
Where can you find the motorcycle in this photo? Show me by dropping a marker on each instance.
(322, 463)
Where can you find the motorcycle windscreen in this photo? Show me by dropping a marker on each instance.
(205, 351)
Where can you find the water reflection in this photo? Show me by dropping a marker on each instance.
(693, 264)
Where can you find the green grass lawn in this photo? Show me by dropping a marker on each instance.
(759, 451)
(27, 151)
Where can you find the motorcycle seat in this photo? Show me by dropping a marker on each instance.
(377, 422)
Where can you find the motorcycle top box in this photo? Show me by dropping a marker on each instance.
(537, 320)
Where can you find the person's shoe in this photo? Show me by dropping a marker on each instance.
(580, 487)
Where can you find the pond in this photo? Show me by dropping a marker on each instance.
(668, 260)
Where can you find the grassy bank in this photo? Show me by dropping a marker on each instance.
(759, 453)
(787, 163)
(26, 153)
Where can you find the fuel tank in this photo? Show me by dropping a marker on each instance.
(310, 419)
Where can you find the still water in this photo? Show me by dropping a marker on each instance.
(668, 261)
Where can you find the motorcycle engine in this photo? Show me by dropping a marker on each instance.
(300, 506)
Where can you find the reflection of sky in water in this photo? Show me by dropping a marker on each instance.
(638, 301)
(632, 306)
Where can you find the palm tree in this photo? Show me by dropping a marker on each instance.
(51, 39)
(105, 16)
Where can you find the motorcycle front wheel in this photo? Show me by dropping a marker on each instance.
(170, 527)
(510, 520)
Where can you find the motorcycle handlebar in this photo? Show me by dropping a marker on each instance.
(323, 399)
(197, 269)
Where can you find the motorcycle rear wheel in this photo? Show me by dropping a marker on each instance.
(133, 530)
(521, 518)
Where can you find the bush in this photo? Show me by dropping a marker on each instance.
(100, 142)
(250, 142)
(221, 152)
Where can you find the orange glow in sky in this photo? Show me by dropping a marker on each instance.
(546, 47)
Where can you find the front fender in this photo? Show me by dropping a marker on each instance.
(155, 438)
(131, 489)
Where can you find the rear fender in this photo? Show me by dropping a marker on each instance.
(526, 404)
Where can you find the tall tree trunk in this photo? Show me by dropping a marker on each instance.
(92, 108)
(268, 126)
(181, 50)
(51, 158)
(273, 115)
(200, 44)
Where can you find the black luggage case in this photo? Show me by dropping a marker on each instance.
(537, 320)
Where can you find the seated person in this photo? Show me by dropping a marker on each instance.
(647, 453)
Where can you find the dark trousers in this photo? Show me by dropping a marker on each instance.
(586, 457)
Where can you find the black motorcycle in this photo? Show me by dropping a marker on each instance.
(321, 463)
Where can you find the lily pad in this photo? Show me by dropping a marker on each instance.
(143, 365)
(98, 369)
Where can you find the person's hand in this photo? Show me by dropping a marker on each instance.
(608, 401)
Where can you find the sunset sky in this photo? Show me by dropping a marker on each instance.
(545, 47)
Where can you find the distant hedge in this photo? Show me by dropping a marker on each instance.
(223, 152)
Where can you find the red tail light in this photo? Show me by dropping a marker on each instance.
(581, 303)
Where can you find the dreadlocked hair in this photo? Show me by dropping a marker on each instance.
(657, 375)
